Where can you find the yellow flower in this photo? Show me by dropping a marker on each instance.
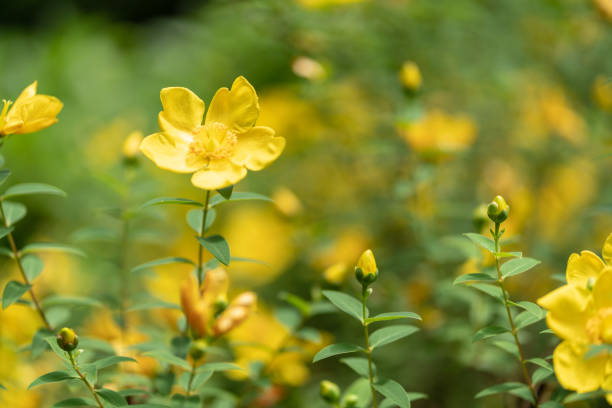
(605, 6)
(581, 314)
(131, 144)
(220, 151)
(29, 113)
(336, 273)
(367, 263)
(410, 76)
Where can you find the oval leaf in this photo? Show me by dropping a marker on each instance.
(517, 266)
(53, 376)
(13, 292)
(239, 196)
(482, 241)
(334, 350)
(14, 212)
(346, 303)
(162, 261)
(51, 247)
(170, 200)
(390, 334)
(217, 246)
(32, 188)
(393, 316)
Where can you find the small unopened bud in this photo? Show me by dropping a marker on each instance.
(410, 76)
(330, 392)
(498, 210)
(236, 313)
(131, 145)
(351, 401)
(480, 217)
(67, 339)
(366, 270)
(198, 349)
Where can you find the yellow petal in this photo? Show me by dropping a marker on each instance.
(192, 306)
(569, 307)
(35, 113)
(215, 286)
(237, 108)
(169, 152)
(218, 174)
(574, 372)
(602, 290)
(607, 250)
(183, 110)
(580, 268)
(27, 93)
(257, 148)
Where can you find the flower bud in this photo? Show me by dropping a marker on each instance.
(498, 210)
(198, 349)
(351, 401)
(366, 270)
(131, 145)
(67, 339)
(410, 76)
(330, 392)
(236, 313)
(480, 217)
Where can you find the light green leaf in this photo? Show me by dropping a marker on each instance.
(32, 266)
(296, 301)
(346, 303)
(5, 231)
(489, 331)
(361, 389)
(53, 376)
(238, 196)
(217, 246)
(169, 358)
(493, 291)
(334, 350)
(308, 334)
(32, 188)
(56, 300)
(514, 388)
(111, 396)
(541, 374)
(112, 360)
(359, 365)
(540, 362)
(508, 254)
(474, 277)
(162, 261)
(393, 316)
(39, 343)
(389, 334)
(4, 174)
(596, 349)
(482, 241)
(551, 404)
(395, 392)
(194, 219)
(517, 266)
(219, 366)
(585, 396)
(14, 212)
(75, 402)
(51, 247)
(13, 292)
(170, 200)
(507, 346)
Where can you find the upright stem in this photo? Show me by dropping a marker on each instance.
(125, 279)
(368, 349)
(200, 249)
(87, 383)
(500, 282)
(17, 257)
(193, 371)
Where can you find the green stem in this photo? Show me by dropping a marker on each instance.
(87, 383)
(368, 349)
(125, 278)
(200, 248)
(500, 282)
(191, 376)
(17, 257)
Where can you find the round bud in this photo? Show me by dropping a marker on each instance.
(198, 349)
(67, 339)
(366, 270)
(330, 392)
(351, 401)
(498, 210)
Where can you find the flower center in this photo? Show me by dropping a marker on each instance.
(599, 327)
(212, 141)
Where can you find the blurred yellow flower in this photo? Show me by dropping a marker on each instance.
(308, 68)
(287, 202)
(336, 274)
(131, 144)
(30, 112)
(439, 134)
(410, 76)
(220, 151)
(602, 92)
(605, 6)
(580, 312)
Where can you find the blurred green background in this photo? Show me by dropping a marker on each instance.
(515, 100)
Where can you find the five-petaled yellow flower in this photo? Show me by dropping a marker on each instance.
(581, 314)
(29, 113)
(220, 151)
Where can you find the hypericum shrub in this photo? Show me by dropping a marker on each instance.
(357, 395)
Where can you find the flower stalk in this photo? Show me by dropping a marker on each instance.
(202, 228)
(364, 297)
(84, 379)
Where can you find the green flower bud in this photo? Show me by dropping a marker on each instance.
(366, 270)
(351, 401)
(480, 217)
(330, 392)
(498, 210)
(67, 339)
(198, 349)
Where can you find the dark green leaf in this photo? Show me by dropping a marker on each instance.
(389, 334)
(13, 292)
(51, 247)
(346, 303)
(482, 241)
(517, 266)
(493, 291)
(334, 350)
(393, 316)
(514, 388)
(359, 365)
(395, 392)
(170, 200)
(53, 376)
(162, 261)
(541, 374)
(112, 396)
(217, 246)
(32, 188)
(474, 277)
(551, 404)
(237, 196)
(226, 192)
(489, 331)
(4, 174)
(508, 347)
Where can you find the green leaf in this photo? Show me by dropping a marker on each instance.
(226, 192)
(346, 303)
(200, 378)
(482, 241)
(218, 366)
(2, 387)
(508, 254)
(393, 316)
(389, 334)
(5, 231)
(32, 188)
(530, 307)
(112, 396)
(112, 360)
(194, 219)
(474, 277)
(551, 404)
(32, 266)
(541, 374)
(162, 261)
(489, 331)
(359, 365)
(525, 319)
(4, 174)
(39, 343)
(507, 346)
(493, 291)
(514, 388)
(517, 266)
(75, 402)
(360, 388)
(169, 358)
(300, 304)
(7, 252)
(308, 334)
(334, 350)
(395, 392)
(540, 362)
(53, 376)
(170, 200)
(56, 300)
(13, 291)
(14, 212)
(51, 247)
(217, 246)
(585, 396)
(237, 196)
